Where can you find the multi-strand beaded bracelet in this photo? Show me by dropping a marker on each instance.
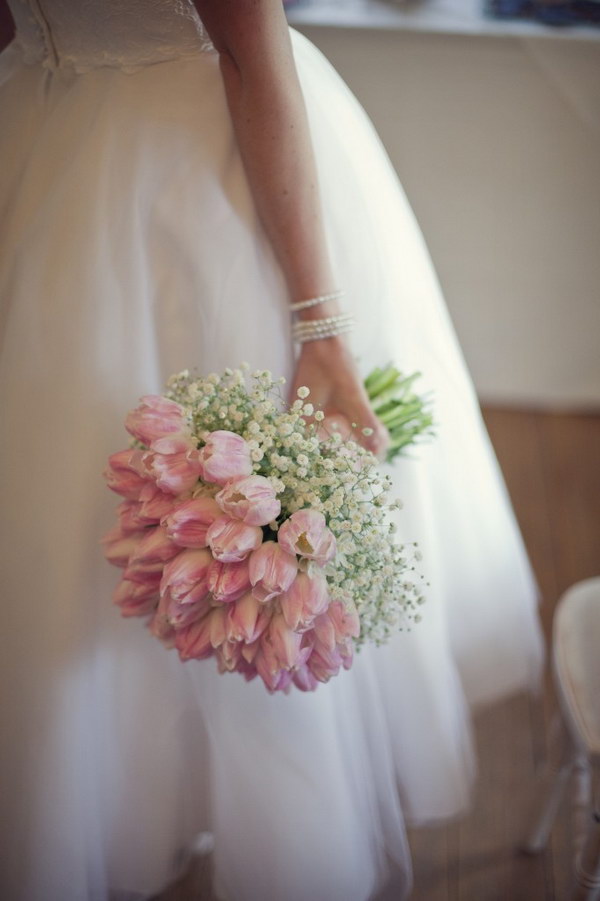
(313, 329)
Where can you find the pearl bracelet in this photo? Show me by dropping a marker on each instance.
(314, 329)
(323, 298)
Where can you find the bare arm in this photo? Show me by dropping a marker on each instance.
(269, 117)
(271, 126)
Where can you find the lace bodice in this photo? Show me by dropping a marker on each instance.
(128, 34)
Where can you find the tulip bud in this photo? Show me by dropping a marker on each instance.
(304, 679)
(162, 629)
(225, 456)
(154, 504)
(306, 533)
(267, 667)
(346, 652)
(272, 570)
(174, 464)
(119, 546)
(247, 670)
(135, 598)
(306, 598)
(249, 651)
(129, 516)
(231, 540)
(193, 642)
(218, 626)
(324, 665)
(251, 499)
(155, 547)
(228, 656)
(180, 615)
(156, 417)
(185, 577)
(125, 473)
(284, 682)
(188, 522)
(247, 619)
(228, 581)
(144, 573)
(324, 631)
(284, 642)
(345, 619)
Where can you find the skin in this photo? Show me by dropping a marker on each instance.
(271, 127)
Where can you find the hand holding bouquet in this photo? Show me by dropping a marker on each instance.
(246, 535)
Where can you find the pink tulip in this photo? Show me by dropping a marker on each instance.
(251, 499)
(193, 642)
(247, 619)
(267, 666)
(129, 516)
(155, 547)
(330, 657)
(306, 598)
(304, 679)
(247, 670)
(324, 665)
(218, 626)
(228, 581)
(249, 651)
(346, 651)
(119, 545)
(144, 573)
(185, 577)
(345, 619)
(156, 417)
(272, 570)
(225, 456)
(180, 614)
(284, 642)
(306, 533)
(154, 504)
(135, 598)
(324, 632)
(161, 629)
(284, 682)
(229, 656)
(231, 540)
(160, 626)
(125, 473)
(187, 524)
(174, 463)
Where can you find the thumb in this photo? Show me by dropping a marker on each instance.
(377, 439)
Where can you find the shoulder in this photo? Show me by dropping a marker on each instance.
(243, 26)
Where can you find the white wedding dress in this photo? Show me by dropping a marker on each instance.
(132, 249)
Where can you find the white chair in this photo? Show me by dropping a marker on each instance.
(576, 666)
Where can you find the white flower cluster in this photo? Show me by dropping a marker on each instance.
(310, 468)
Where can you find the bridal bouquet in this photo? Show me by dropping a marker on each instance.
(247, 534)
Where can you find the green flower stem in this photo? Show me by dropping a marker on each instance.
(405, 414)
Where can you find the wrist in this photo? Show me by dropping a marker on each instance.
(318, 329)
(320, 306)
(326, 350)
(322, 311)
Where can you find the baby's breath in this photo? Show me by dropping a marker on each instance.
(339, 478)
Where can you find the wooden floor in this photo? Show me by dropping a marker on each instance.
(551, 465)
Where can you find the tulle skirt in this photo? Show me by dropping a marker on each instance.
(132, 249)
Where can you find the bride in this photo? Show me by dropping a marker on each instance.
(174, 176)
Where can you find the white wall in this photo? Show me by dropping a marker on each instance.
(497, 143)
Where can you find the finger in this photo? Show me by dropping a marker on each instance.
(377, 438)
